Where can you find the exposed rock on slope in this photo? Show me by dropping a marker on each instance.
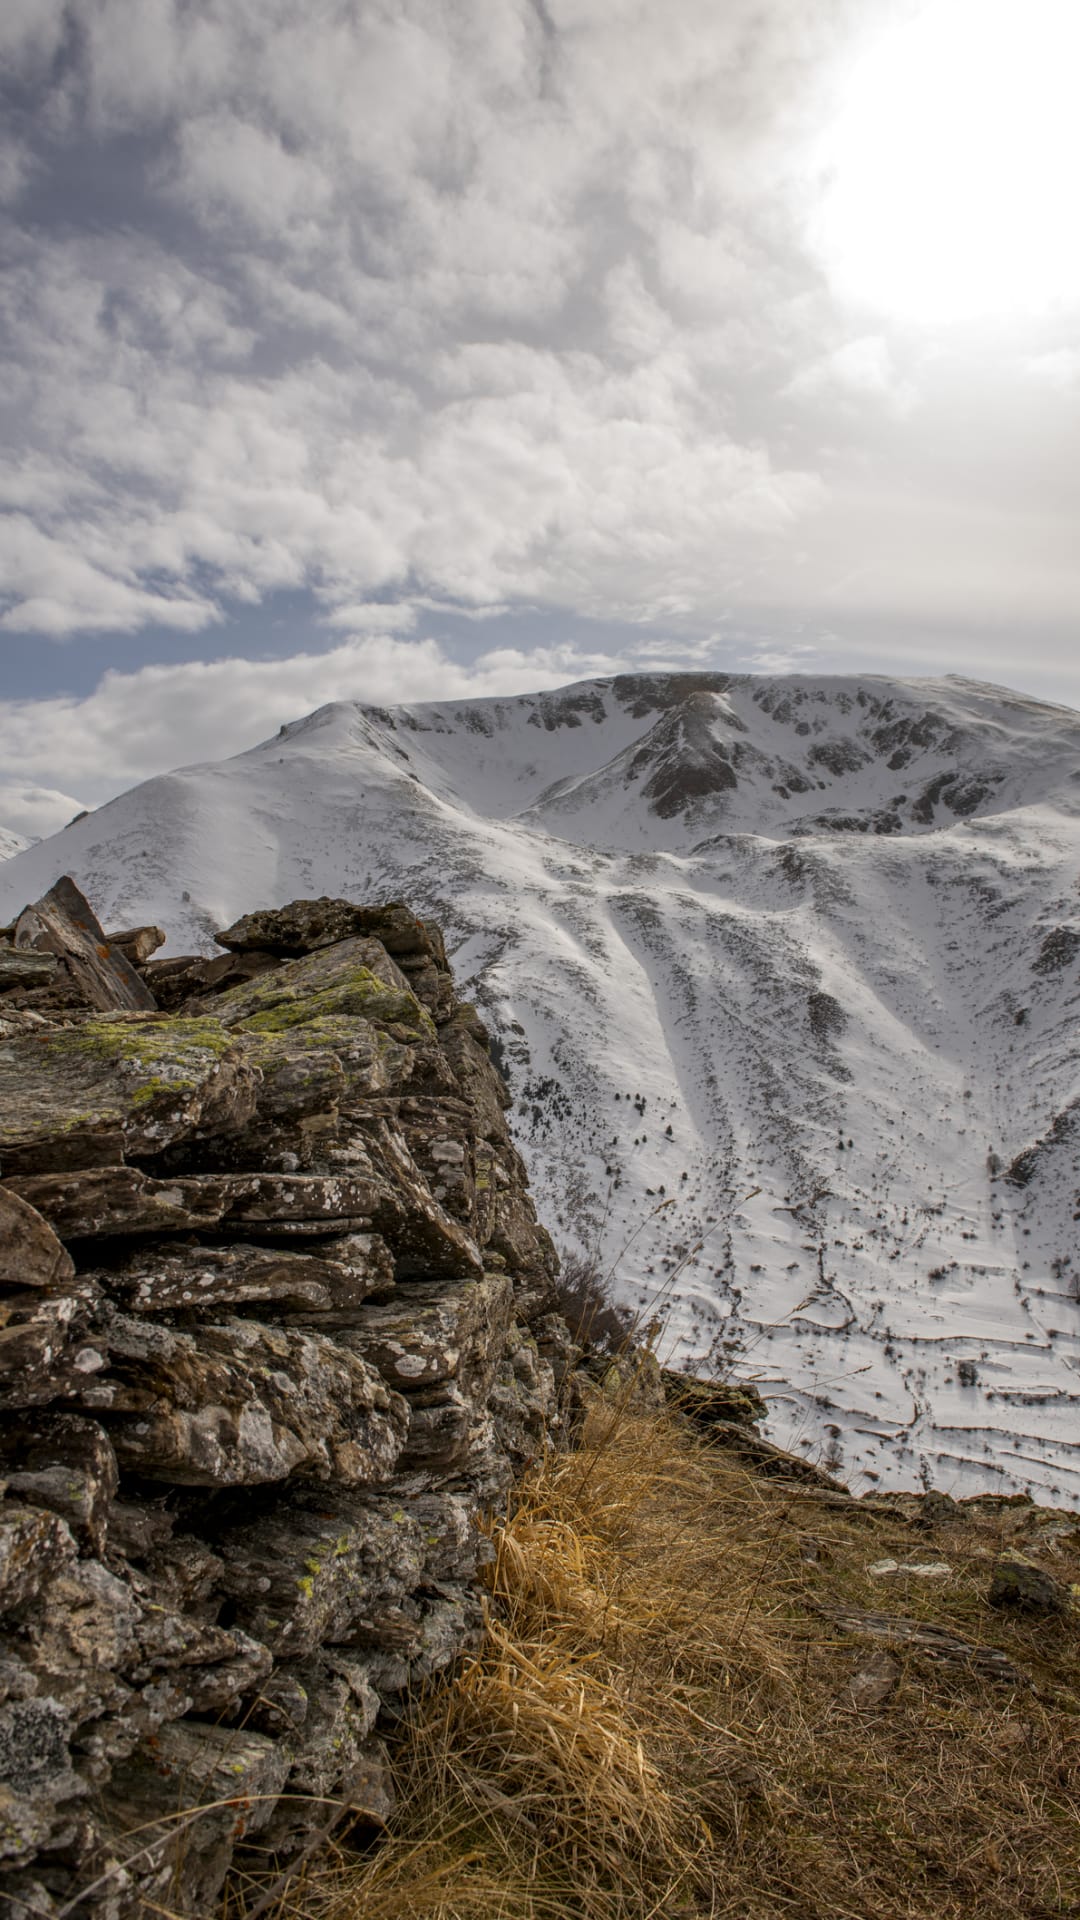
(271, 1291)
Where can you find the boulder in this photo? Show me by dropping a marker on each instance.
(305, 926)
(357, 978)
(137, 943)
(63, 924)
(1021, 1586)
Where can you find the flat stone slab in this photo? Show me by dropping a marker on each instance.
(25, 969)
(333, 1281)
(94, 1093)
(119, 1200)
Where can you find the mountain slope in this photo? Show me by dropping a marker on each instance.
(786, 977)
(11, 843)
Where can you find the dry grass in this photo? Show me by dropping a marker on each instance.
(661, 1723)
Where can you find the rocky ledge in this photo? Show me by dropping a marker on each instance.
(274, 1330)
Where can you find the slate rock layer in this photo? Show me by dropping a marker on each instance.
(267, 1269)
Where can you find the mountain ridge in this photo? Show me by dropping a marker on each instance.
(812, 936)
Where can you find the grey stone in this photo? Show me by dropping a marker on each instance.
(240, 1404)
(62, 923)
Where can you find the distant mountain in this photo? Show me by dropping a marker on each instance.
(11, 843)
(786, 974)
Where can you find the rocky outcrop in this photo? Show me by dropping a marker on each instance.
(272, 1327)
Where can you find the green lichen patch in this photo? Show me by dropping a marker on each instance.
(357, 994)
(106, 1075)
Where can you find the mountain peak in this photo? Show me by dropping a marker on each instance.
(784, 974)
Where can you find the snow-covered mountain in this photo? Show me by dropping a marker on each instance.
(787, 979)
(11, 843)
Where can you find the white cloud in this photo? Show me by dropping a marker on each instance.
(863, 369)
(35, 811)
(136, 724)
(375, 617)
(446, 302)
(1058, 368)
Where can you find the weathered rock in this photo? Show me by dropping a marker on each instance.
(704, 1402)
(332, 1281)
(243, 1404)
(62, 923)
(116, 1088)
(65, 1463)
(31, 1255)
(26, 969)
(357, 978)
(873, 1683)
(464, 1040)
(315, 1574)
(191, 977)
(1018, 1583)
(48, 1343)
(334, 1763)
(307, 925)
(523, 1399)
(771, 1461)
(227, 1778)
(123, 1200)
(34, 1545)
(39, 1791)
(434, 1331)
(924, 1637)
(137, 943)
(233, 1512)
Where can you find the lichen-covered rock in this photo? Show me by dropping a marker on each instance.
(64, 925)
(123, 1200)
(330, 1281)
(66, 1463)
(34, 1545)
(48, 1342)
(240, 1404)
(304, 926)
(1018, 1583)
(357, 978)
(259, 1401)
(227, 1778)
(113, 1088)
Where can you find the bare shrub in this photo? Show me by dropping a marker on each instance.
(585, 1299)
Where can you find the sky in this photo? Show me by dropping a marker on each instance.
(392, 349)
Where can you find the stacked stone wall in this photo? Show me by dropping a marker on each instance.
(274, 1332)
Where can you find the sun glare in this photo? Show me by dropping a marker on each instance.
(952, 164)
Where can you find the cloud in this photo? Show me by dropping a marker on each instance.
(348, 331)
(136, 724)
(434, 302)
(35, 811)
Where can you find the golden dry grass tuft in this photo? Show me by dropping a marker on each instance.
(666, 1721)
